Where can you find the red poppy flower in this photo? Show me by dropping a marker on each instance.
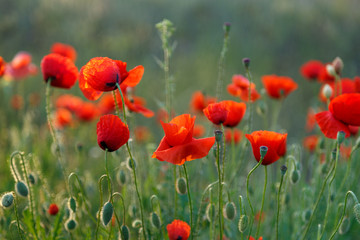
(60, 70)
(53, 209)
(310, 142)
(233, 134)
(17, 102)
(137, 104)
(357, 84)
(64, 50)
(346, 108)
(252, 238)
(2, 66)
(275, 142)
(240, 88)
(142, 134)
(217, 113)
(68, 101)
(236, 113)
(63, 118)
(112, 133)
(347, 86)
(101, 74)
(310, 120)
(199, 131)
(311, 69)
(199, 101)
(87, 112)
(324, 76)
(278, 86)
(345, 152)
(178, 144)
(20, 67)
(178, 230)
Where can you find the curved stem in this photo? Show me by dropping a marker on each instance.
(219, 83)
(101, 202)
(278, 207)
(262, 204)
(14, 169)
(189, 196)
(124, 211)
(220, 187)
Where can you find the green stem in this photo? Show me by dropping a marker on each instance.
(101, 202)
(223, 157)
(221, 71)
(117, 110)
(278, 207)
(262, 204)
(220, 188)
(175, 193)
(249, 76)
(189, 196)
(17, 217)
(241, 213)
(348, 168)
(343, 214)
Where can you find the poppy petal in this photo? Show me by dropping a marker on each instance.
(87, 90)
(330, 126)
(134, 76)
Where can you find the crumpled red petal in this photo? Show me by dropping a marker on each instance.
(330, 126)
(134, 76)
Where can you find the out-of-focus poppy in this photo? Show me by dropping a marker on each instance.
(345, 152)
(353, 130)
(87, 112)
(137, 104)
(64, 50)
(34, 99)
(233, 134)
(240, 88)
(275, 142)
(112, 133)
(236, 112)
(142, 134)
(310, 120)
(347, 86)
(68, 101)
(178, 144)
(324, 76)
(199, 131)
(60, 70)
(252, 238)
(2, 66)
(311, 69)
(217, 113)
(17, 102)
(101, 74)
(278, 86)
(63, 118)
(310, 142)
(199, 101)
(106, 104)
(53, 209)
(178, 230)
(20, 67)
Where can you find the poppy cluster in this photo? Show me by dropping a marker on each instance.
(20, 67)
(240, 88)
(316, 70)
(64, 50)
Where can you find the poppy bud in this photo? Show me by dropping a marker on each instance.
(287, 198)
(227, 27)
(7, 200)
(283, 170)
(79, 147)
(218, 136)
(155, 220)
(325, 168)
(181, 186)
(306, 215)
(130, 163)
(136, 223)
(338, 65)
(340, 136)
(125, 232)
(32, 178)
(261, 108)
(330, 70)
(210, 212)
(345, 226)
(21, 189)
(357, 212)
(70, 225)
(263, 151)
(132, 210)
(229, 210)
(72, 204)
(243, 223)
(53, 209)
(327, 91)
(107, 213)
(121, 177)
(295, 176)
(246, 62)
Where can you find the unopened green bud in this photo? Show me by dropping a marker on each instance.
(181, 185)
(340, 136)
(70, 225)
(130, 163)
(295, 176)
(7, 200)
(243, 223)
(210, 212)
(107, 213)
(306, 215)
(283, 169)
(21, 189)
(121, 177)
(218, 136)
(263, 151)
(344, 226)
(155, 220)
(229, 210)
(125, 232)
(72, 204)
(357, 212)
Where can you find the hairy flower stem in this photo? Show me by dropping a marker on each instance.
(248, 195)
(343, 214)
(219, 83)
(223, 152)
(17, 216)
(101, 202)
(117, 110)
(220, 187)
(278, 207)
(331, 171)
(190, 204)
(249, 76)
(53, 134)
(262, 204)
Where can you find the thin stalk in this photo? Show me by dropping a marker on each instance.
(348, 168)
(189, 196)
(278, 207)
(117, 110)
(123, 203)
(17, 217)
(220, 188)
(223, 157)
(262, 204)
(241, 213)
(175, 193)
(249, 76)
(248, 195)
(219, 83)
(101, 202)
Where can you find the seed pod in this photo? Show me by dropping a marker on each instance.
(243, 223)
(340, 136)
(72, 204)
(306, 215)
(70, 225)
(32, 178)
(181, 185)
(121, 177)
(7, 200)
(287, 198)
(130, 162)
(295, 176)
(107, 213)
(132, 210)
(357, 212)
(218, 135)
(155, 220)
(229, 210)
(210, 212)
(345, 226)
(21, 189)
(125, 232)
(263, 151)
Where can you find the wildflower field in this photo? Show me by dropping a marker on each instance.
(190, 120)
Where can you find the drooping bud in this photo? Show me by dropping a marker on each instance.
(357, 212)
(210, 212)
(295, 176)
(243, 223)
(283, 169)
(155, 220)
(21, 189)
(130, 162)
(218, 136)
(107, 213)
(338, 65)
(229, 210)
(72, 204)
(263, 151)
(181, 186)
(340, 136)
(125, 232)
(70, 225)
(7, 200)
(327, 91)
(246, 62)
(345, 226)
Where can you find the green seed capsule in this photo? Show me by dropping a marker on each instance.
(70, 225)
(243, 223)
(155, 220)
(125, 232)
(229, 210)
(181, 185)
(210, 212)
(130, 163)
(345, 226)
(306, 215)
(32, 178)
(72, 204)
(295, 176)
(107, 213)
(21, 189)
(357, 212)
(121, 177)
(7, 200)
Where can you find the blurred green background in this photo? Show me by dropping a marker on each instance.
(278, 36)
